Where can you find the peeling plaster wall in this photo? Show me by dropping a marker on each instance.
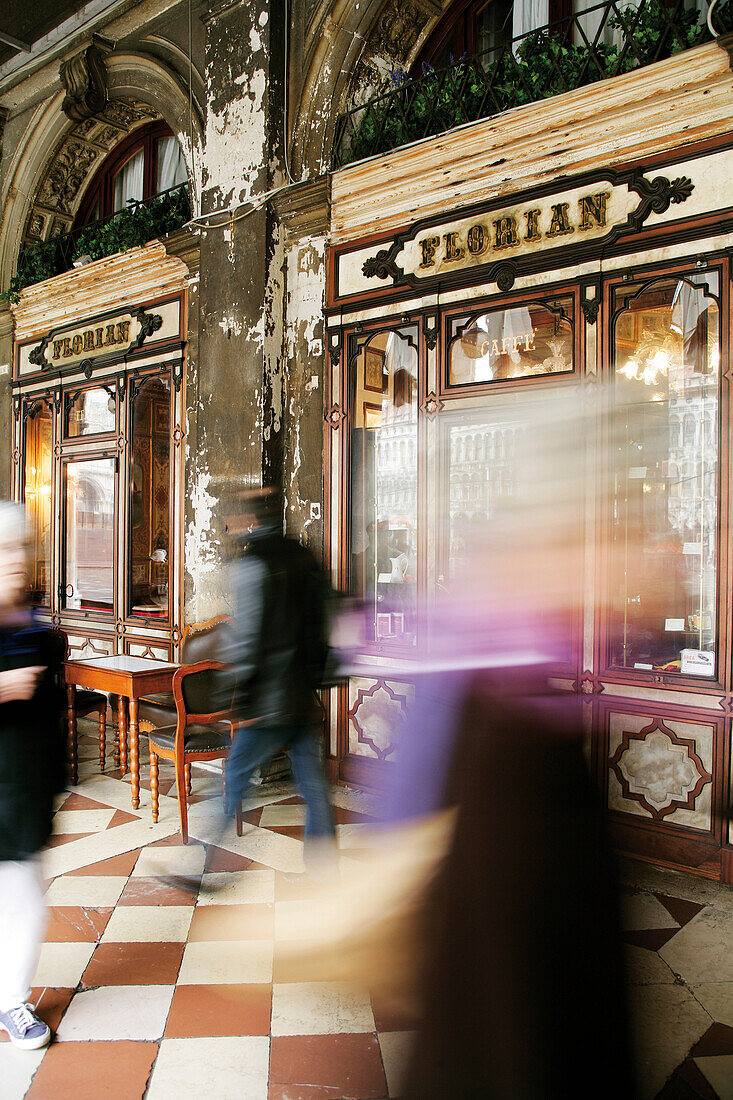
(304, 360)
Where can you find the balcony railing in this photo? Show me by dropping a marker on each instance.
(602, 41)
(137, 224)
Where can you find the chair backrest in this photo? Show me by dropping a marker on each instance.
(204, 642)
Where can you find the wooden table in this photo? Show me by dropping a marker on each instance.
(127, 678)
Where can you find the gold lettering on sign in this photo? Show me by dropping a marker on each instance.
(532, 218)
(477, 240)
(429, 246)
(559, 222)
(593, 209)
(453, 251)
(505, 230)
(521, 229)
(93, 339)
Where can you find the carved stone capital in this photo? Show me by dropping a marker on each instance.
(84, 78)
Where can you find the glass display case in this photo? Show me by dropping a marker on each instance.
(37, 491)
(150, 501)
(89, 543)
(664, 539)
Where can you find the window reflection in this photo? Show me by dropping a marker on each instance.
(665, 517)
(39, 435)
(528, 340)
(91, 412)
(89, 547)
(150, 504)
(384, 484)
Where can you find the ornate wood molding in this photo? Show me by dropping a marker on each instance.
(633, 786)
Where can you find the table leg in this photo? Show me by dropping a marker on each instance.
(72, 747)
(122, 721)
(134, 758)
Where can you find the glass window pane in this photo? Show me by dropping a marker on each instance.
(150, 511)
(89, 549)
(128, 183)
(384, 485)
(38, 451)
(91, 412)
(171, 167)
(667, 359)
(504, 344)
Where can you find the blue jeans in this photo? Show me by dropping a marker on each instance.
(255, 745)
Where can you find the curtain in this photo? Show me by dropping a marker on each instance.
(171, 165)
(129, 181)
(528, 15)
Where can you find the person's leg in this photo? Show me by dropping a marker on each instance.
(310, 779)
(22, 925)
(253, 746)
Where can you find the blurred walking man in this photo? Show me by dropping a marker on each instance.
(276, 661)
(31, 773)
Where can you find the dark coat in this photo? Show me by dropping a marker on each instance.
(32, 743)
(277, 650)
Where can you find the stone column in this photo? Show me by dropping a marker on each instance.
(235, 400)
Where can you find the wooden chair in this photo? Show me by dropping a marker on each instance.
(199, 734)
(85, 703)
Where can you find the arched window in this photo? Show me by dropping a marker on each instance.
(149, 161)
(470, 27)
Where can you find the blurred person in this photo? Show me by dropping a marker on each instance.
(276, 661)
(32, 749)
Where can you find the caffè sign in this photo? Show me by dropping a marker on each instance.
(539, 229)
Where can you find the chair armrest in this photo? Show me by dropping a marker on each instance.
(183, 717)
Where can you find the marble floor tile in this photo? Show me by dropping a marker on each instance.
(241, 962)
(17, 1068)
(148, 924)
(282, 814)
(237, 888)
(320, 1008)
(115, 1012)
(360, 835)
(717, 999)
(297, 919)
(646, 968)
(231, 922)
(198, 1011)
(642, 911)
(103, 845)
(396, 1047)
(666, 1021)
(88, 890)
(183, 859)
(719, 1072)
(229, 1068)
(282, 853)
(92, 1071)
(62, 964)
(701, 951)
(134, 964)
(321, 1067)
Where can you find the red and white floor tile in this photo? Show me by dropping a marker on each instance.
(153, 991)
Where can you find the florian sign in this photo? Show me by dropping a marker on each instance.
(539, 230)
(94, 342)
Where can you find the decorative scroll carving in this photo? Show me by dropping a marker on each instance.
(432, 405)
(149, 323)
(659, 770)
(37, 355)
(84, 78)
(377, 710)
(334, 416)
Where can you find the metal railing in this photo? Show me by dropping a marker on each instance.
(598, 42)
(139, 222)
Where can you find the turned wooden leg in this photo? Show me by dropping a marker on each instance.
(73, 755)
(238, 819)
(182, 804)
(102, 738)
(123, 734)
(154, 783)
(134, 756)
(187, 773)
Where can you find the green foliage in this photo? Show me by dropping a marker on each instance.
(543, 64)
(136, 225)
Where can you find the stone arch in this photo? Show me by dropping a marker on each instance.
(58, 158)
(351, 47)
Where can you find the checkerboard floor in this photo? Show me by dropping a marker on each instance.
(157, 992)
